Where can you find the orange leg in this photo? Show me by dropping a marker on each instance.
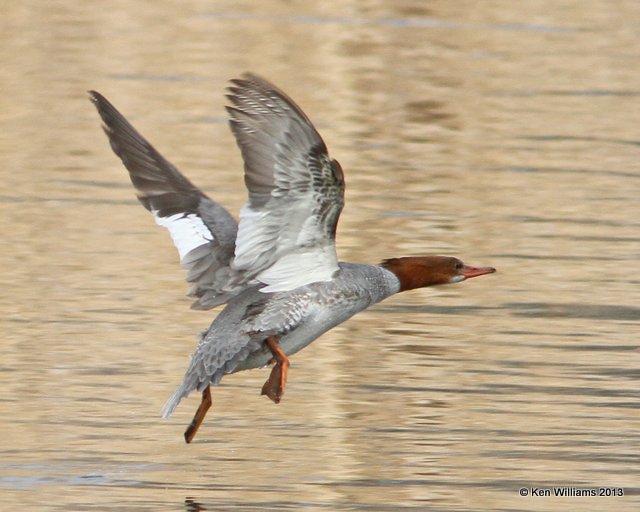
(274, 387)
(190, 433)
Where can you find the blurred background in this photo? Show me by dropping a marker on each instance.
(505, 133)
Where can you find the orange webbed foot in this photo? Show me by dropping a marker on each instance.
(275, 385)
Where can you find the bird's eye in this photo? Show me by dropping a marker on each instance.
(459, 265)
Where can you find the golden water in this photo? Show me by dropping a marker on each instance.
(505, 133)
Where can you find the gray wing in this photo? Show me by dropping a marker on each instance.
(286, 236)
(203, 231)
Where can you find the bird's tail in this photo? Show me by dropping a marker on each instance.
(171, 404)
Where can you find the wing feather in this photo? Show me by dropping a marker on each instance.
(286, 235)
(203, 231)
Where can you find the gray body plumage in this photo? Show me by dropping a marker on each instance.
(234, 341)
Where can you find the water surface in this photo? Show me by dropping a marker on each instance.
(504, 134)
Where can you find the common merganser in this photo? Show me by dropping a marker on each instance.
(276, 270)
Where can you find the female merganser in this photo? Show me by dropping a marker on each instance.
(277, 270)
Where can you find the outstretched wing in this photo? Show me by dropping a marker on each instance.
(286, 236)
(203, 231)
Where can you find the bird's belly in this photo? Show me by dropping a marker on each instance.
(289, 344)
(296, 340)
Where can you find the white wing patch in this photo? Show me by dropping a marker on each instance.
(187, 231)
(300, 268)
(255, 235)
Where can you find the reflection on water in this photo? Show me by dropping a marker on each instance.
(505, 136)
